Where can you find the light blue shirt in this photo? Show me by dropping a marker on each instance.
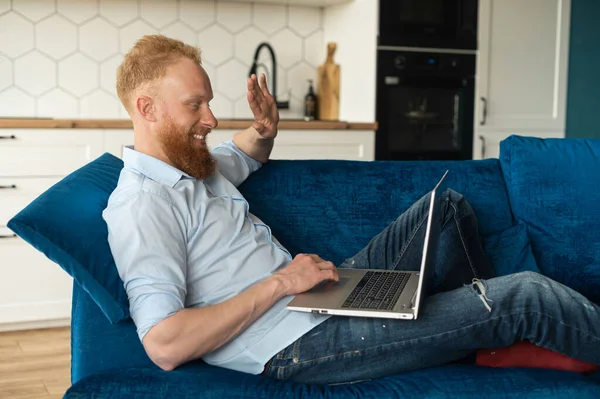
(182, 242)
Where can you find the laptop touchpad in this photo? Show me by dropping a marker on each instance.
(328, 286)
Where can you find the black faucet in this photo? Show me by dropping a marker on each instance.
(253, 68)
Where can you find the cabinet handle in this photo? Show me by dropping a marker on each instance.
(484, 117)
(11, 137)
(482, 146)
(10, 186)
(7, 236)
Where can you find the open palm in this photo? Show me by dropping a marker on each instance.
(263, 106)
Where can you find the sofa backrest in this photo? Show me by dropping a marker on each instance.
(333, 208)
(553, 189)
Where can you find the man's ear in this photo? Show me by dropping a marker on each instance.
(146, 108)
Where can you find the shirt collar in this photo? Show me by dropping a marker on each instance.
(151, 167)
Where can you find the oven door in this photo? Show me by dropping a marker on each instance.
(449, 24)
(425, 118)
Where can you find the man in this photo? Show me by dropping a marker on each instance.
(206, 279)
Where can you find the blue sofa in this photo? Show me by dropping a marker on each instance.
(538, 208)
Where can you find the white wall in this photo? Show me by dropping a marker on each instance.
(354, 27)
(58, 58)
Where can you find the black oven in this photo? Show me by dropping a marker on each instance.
(425, 104)
(450, 24)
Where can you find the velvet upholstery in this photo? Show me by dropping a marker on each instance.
(553, 189)
(329, 207)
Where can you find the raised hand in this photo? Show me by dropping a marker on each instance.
(264, 109)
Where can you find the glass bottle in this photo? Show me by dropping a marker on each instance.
(310, 103)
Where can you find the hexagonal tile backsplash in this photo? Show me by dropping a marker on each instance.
(58, 59)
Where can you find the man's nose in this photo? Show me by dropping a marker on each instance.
(209, 119)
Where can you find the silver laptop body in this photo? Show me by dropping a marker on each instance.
(378, 293)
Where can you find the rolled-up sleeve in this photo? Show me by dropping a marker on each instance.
(233, 163)
(147, 237)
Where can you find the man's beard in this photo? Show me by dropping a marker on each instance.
(177, 143)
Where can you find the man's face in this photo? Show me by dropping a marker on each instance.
(185, 118)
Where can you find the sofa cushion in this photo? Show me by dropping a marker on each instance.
(552, 185)
(65, 223)
(509, 250)
(97, 344)
(455, 381)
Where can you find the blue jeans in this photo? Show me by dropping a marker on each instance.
(468, 309)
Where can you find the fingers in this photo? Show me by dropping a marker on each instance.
(254, 105)
(263, 84)
(320, 262)
(255, 88)
(330, 275)
(256, 101)
(325, 265)
(261, 91)
(265, 90)
(316, 258)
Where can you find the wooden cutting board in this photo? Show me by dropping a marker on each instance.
(328, 87)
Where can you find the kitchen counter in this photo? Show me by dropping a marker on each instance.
(285, 124)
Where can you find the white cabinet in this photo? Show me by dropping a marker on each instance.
(357, 145)
(115, 140)
(489, 144)
(521, 68)
(303, 3)
(40, 152)
(32, 288)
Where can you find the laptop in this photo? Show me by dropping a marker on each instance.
(396, 294)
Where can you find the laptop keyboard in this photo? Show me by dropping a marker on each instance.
(377, 290)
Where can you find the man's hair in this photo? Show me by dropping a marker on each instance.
(148, 61)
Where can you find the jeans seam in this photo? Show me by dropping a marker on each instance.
(568, 325)
(462, 240)
(322, 358)
(284, 370)
(296, 350)
(281, 354)
(409, 241)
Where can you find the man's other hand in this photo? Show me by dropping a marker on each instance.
(305, 271)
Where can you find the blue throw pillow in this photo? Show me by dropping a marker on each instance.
(510, 251)
(65, 223)
(553, 188)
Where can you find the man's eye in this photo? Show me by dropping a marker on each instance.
(195, 106)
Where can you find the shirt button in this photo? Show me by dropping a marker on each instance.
(295, 360)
